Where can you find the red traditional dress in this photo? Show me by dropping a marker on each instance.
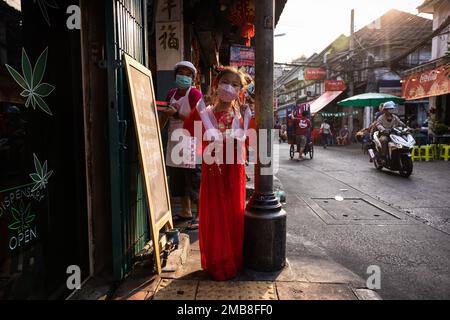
(222, 205)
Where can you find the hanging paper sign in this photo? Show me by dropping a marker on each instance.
(315, 74)
(169, 34)
(335, 85)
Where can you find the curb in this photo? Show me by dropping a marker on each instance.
(366, 294)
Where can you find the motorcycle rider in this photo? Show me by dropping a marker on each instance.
(385, 123)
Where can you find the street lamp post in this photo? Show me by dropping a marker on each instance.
(265, 220)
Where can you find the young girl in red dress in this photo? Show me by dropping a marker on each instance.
(223, 181)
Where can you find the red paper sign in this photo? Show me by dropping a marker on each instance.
(431, 83)
(315, 74)
(335, 85)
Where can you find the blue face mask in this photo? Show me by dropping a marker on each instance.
(183, 82)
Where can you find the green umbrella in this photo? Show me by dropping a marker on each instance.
(369, 100)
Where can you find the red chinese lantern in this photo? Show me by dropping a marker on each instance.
(243, 14)
(248, 32)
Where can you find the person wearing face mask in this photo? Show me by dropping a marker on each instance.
(222, 189)
(385, 123)
(184, 179)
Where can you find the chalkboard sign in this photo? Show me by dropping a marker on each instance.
(150, 149)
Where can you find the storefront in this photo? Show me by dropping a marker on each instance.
(71, 192)
(429, 88)
(71, 188)
(43, 215)
(326, 105)
(157, 34)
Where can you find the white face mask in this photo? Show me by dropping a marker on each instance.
(227, 93)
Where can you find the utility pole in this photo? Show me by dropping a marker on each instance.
(371, 87)
(265, 220)
(351, 84)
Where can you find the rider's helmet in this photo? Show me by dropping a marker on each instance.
(389, 106)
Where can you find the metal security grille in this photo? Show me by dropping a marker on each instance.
(126, 33)
(130, 29)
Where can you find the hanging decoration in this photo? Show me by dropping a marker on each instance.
(242, 14)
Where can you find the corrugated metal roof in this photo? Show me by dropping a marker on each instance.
(279, 7)
(394, 28)
(428, 6)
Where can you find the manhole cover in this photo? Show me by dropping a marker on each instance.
(353, 209)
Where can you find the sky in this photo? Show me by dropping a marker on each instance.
(311, 25)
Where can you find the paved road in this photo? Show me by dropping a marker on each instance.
(403, 226)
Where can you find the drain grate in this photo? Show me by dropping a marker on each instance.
(354, 211)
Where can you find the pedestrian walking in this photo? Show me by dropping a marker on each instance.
(184, 178)
(222, 190)
(302, 126)
(325, 131)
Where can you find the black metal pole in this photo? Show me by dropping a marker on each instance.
(265, 220)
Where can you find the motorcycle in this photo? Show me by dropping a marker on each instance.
(399, 154)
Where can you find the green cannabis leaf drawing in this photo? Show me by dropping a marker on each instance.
(43, 4)
(41, 176)
(22, 217)
(31, 81)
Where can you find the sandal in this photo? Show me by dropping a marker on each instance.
(193, 225)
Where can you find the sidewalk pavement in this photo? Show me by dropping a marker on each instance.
(314, 277)
(310, 274)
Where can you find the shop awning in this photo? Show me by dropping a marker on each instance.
(430, 83)
(323, 101)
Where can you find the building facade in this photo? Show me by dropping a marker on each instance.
(429, 81)
(383, 49)
(71, 187)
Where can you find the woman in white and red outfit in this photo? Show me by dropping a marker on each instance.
(222, 190)
(184, 178)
